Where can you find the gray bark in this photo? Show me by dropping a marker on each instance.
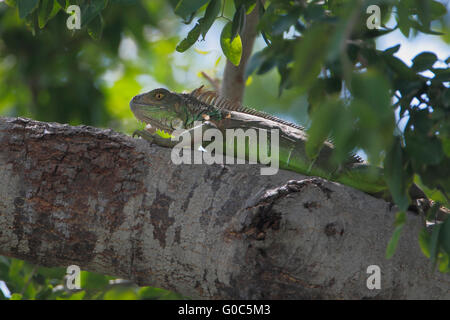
(119, 206)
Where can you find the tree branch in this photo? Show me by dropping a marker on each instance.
(118, 206)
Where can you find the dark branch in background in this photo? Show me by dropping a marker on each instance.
(118, 206)
(233, 84)
(215, 83)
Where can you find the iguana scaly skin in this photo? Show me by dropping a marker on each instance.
(162, 109)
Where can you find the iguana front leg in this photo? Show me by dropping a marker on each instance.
(169, 143)
(154, 138)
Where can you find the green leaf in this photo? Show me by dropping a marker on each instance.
(92, 10)
(400, 220)
(403, 21)
(373, 89)
(77, 295)
(423, 148)
(26, 7)
(375, 119)
(444, 263)
(126, 2)
(432, 194)
(444, 236)
(434, 242)
(187, 8)
(45, 10)
(441, 74)
(62, 3)
(424, 61)
(95, 28)
(424, 242)
(322, 119)
(56, 8)
(231, 49)
(11, 3)
(284, 22)
(249, 5)
(392, 50)
(314, 12)
(261, 12)
(399, 67)
(310, 54)
(394, 173)
(425, 29)
(423, 12)
(16, 296)
(437, 9)
(238, 22)
(255, 62)
(446, 143)
(92, 280)
(212, 10)
(190, 39)
(120, 293)
(285, 81)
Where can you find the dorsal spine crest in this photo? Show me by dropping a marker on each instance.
(211, 98)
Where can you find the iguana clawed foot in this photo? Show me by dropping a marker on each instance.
(154, 138)
(144, 135)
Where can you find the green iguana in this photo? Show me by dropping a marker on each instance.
(167, 111)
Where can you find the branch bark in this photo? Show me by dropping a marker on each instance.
(233, 83)
(118, 206)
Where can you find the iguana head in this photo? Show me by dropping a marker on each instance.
(159, 108)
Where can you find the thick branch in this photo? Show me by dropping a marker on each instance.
(233, 83)
(118, 206)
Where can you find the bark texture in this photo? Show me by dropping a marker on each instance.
(119, 206)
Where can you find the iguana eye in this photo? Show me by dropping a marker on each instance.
(159, 95)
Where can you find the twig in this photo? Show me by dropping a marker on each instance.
(214, 82)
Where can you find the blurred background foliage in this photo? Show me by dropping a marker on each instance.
(315, 62)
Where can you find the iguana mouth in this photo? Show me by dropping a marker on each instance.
(153, 127)
(151, 124)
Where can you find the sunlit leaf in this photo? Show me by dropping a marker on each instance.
(45, 10)
(16, 296)
(231, 49)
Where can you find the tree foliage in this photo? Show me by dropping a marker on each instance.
(364, 98)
